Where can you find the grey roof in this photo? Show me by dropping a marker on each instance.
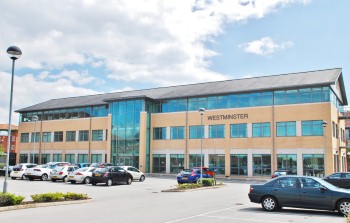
(274, 82)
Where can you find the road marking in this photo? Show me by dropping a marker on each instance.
(199, 215)
(245, 219)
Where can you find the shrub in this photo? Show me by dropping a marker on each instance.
(188, 186)
(207, 182)
(75, 196)
(58, 196)
(48, 197)
(2, 165)
(8, 199)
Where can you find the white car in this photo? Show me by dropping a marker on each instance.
(82, 175)
(61, 173)
(18, 171)
(41, 172)
(136, 173)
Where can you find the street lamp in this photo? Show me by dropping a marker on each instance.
(35, 119)
(324, 124)
(202, 111)
(14, 53)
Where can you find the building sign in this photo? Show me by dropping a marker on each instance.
(227, 117)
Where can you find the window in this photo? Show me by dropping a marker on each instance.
(84, 135)
(261, 129)
(312, 128)
(97, 135)
(70, 136)
(45, 158)
(46, 137)
(309, 183)
(196, 132)
(57, 158)
(23, 158)
(176, 162)
(216, 131)
(159, 133)
(159, 163)
(217, 163)
(286, 182)
(195, 160)
(239, 163)
(70, 158)
(239, 130)
(313, 165)
(96, 158)
(13, 138)
(286, 129)
(261, 164)
(287, 162)
(58, 137)
(35, 137)
(24, 137)
(83, 158)
(177, 132)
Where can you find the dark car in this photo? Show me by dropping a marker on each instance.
(340, 179)
(191, 175)
(278, 173)
(3, 171)
(300, 192)
(110, 175)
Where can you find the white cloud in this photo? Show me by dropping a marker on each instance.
(265, 46)
(158, 42)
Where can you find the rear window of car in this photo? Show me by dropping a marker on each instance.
(187, 171)
(42, 166)
(18, 166)
(100, 170)
(59, 168)
(82, 169)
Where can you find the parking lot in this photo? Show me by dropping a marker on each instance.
(145, 202)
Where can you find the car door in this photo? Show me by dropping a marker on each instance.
(334, 179)
(312, 196)
(344, 181)
(134, 172)
(121, 174)
(287, 191)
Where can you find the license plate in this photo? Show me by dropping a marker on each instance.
(54, 177)
(97, 175)
(28, 173)
(71, 177)
(16, 172)
(184, 178)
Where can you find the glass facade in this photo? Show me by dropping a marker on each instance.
(261, 164)
(176, 163)
(83, 158)
(313, 165)
(239, 164)
(70, 136)
(97, 135)
(159, 133)
(287, 162)
(125, 137)
(69, 158)
(261, 129)
(217, 163)
(238, 130)
(177, 132)
(46, 137)
(84, 135)
(196, 132)
(57, 158)
(45, 158)
(24, 137)
(195, 160)
(58, 137)
(96, 158)
(286, 129)
(159, 163)
(35, 137)
(23, 158)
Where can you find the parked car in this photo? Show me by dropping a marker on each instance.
(278, 173)
(41, 172)
(340, 179)
(136, 173)
(192, 175)
(100, 164)
(3, 171)
(81, 165)
(81, 175)
(206, 170)
(61, 173)
(18, 170)
(300, 192)
(111, 175)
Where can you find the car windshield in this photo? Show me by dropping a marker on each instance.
(326, 184)
(186, 171)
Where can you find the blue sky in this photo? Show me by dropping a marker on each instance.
(82, 47)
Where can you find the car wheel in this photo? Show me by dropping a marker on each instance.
(23, 177)
(44, 177)
(65, 179)
(142, 178)
(13, 178)
(269, 203)
(31, 179)
(93, 183)
(73, 182)
(129, 181)
(344, 207)
(53, 180)
(87, 180)
(109, 182)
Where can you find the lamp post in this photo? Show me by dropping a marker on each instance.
(35, 119)
(324, 124)
(202, 111)
(14, 53)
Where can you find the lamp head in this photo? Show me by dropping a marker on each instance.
(201, 110)
(14, 52)
(324, 123)
(35, 118)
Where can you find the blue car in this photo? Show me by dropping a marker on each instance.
(191, 175)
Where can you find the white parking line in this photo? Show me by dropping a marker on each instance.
(245, 219)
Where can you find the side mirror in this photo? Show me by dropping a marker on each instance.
(322, 188)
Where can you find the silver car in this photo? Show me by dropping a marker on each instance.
(82, 175)
(61, 173)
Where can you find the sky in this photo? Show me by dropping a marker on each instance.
(83, 47)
